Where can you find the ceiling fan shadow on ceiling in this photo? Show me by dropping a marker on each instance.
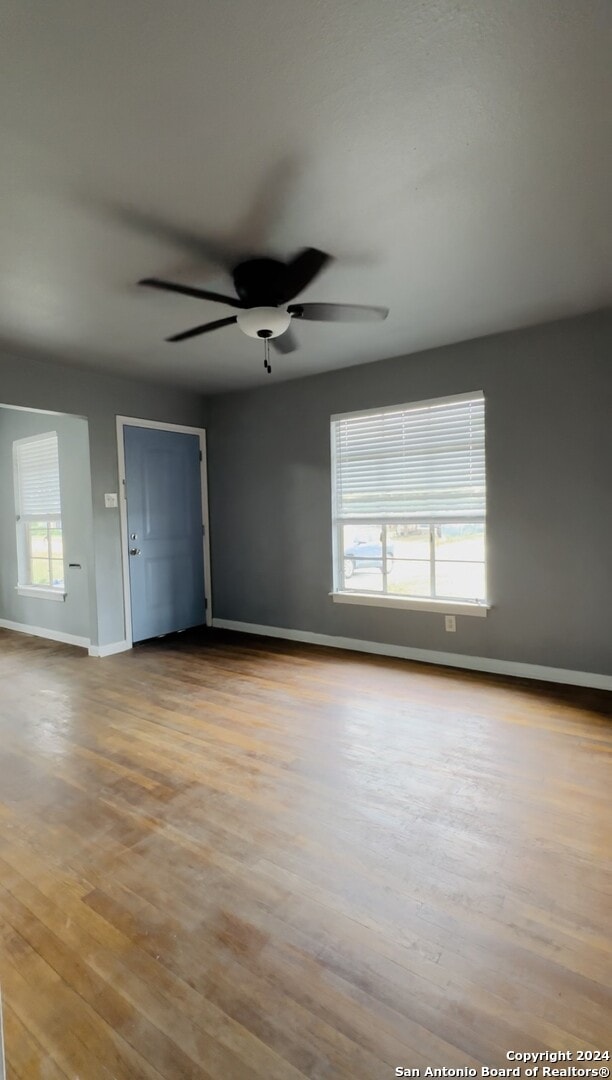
(265, 288)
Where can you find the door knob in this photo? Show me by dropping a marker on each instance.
(134, 551)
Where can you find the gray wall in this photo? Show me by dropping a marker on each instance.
(549, 456)
(72, 616)
(549, 460)
(44, 384)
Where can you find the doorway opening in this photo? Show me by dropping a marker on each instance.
(47, 579)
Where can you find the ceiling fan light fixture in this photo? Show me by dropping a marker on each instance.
(263, 322)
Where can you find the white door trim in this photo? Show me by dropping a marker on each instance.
(135, 421)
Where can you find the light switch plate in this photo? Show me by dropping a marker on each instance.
(110, 500)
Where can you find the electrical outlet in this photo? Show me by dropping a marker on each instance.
(450, 623)
(110, 500)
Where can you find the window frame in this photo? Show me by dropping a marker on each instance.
(25, 586)
(459, 606)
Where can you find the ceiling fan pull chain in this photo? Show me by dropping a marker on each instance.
(267, 356)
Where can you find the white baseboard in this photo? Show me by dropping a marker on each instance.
(41, 631)
(109, 650)
(66, 639)
(428, 656)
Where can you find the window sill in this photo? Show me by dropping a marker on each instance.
(41, 592)
(445, 607)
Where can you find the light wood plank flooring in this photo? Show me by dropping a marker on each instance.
(227, 857)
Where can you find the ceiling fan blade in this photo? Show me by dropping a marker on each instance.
(205, 328)
(205, 248)
(338, 312)
(303, 269)
(189, 290)
(284, 343)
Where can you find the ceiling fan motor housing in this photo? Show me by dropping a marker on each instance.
(263, 322)
(260, 281)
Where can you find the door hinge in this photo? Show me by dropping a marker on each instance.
(203, 530)
(205, 605)
(201, 456)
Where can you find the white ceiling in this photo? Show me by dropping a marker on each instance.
(454, 155)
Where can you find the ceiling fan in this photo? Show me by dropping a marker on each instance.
(264, 288)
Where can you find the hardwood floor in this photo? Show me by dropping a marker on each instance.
(227, 857)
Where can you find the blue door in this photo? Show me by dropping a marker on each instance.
(164, 521)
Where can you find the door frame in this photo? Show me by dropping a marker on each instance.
(135, 421)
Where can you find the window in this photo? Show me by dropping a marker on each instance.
(40, 554)
(408, 505)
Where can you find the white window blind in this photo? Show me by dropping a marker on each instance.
(422, 461)
(37, 483)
